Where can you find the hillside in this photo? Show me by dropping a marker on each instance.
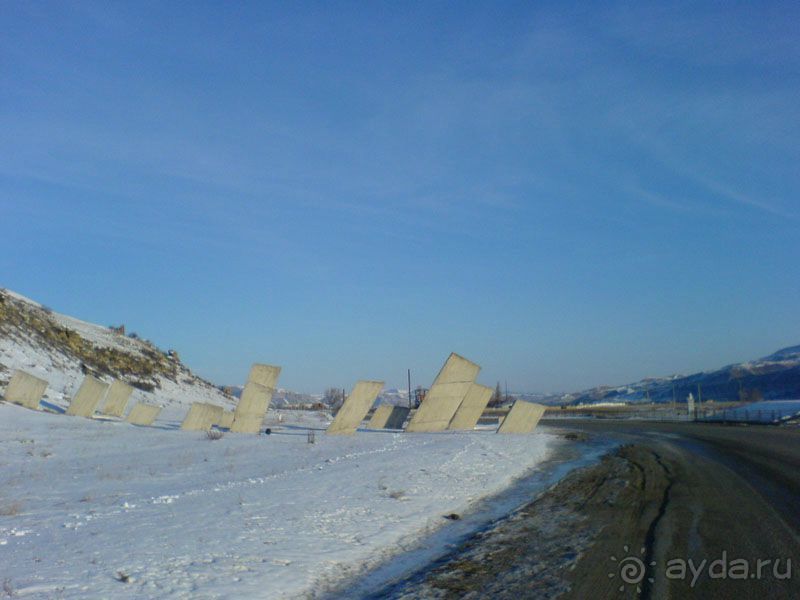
(776, 376)
(61, 349)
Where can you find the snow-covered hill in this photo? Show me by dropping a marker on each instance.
(776, 376)
(61, 349)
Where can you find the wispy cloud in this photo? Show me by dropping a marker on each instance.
(726, 192)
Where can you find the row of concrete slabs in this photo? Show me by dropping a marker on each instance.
(455, 402)
(93, 396)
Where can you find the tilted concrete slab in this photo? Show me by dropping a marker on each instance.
(196, 417)
(256, 396)
(266, 375)
(398, 417)
(226, 420)
(25, 389)
(143, 414)
(201, 417)
(380, 417)
(522, 418)
(251, 423)
(445, 396)
(117, 398)
(216, 413)
(355, 407)
(471, 408)
(387, 416)
(88, 397)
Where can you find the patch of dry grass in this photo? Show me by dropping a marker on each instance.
(10, 510)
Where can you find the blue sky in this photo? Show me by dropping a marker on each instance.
(569, 196)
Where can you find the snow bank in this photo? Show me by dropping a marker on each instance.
(86, 504)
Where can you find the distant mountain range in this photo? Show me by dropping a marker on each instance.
(283, 398)
(776, 376)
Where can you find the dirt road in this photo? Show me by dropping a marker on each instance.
(681, 510)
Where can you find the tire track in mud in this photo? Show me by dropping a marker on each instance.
(650, 537)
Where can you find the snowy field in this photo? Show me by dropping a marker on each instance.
(92, 509)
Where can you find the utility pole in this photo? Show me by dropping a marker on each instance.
(409, 390)
(699, 394)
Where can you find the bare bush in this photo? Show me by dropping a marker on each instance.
(334, 398)
(11, 510)
(123, 577)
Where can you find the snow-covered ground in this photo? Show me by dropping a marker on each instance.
(93, 509)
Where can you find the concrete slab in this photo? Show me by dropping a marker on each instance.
(522, 418)
(216, 413)
(195, 418)
(256, 396)
(226, 420)
(355, 407)
(143, 414)
(445, 396)
(201, 417)
(25, 389)
(380, 416)
(471, 408)
(117, 398)
(88, 397)
(266, 375)
(387, 416)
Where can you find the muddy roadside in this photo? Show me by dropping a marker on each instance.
(624, 528)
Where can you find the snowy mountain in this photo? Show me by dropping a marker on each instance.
(776, 376)
(61, 350)
(393, 396)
